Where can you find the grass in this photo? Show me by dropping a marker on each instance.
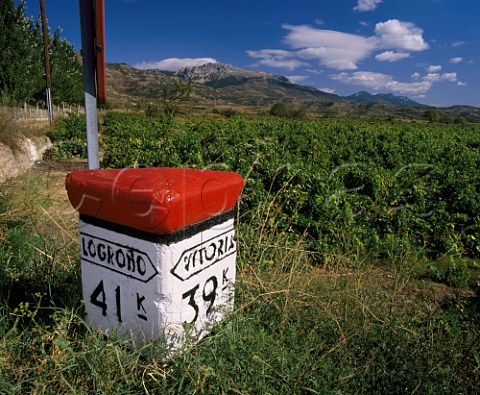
(351, 325)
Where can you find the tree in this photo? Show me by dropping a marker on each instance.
(66, 70)
(460, 120)
(173, 94)
(20, 54)
(432, 115)
(21, 60)
(279, 109)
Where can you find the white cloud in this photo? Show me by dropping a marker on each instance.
(173, 64)
(333, 49)
(456, 60)
(452, 77)
(391, 56)
(319, 21)
(458, 44)
(367, 5)
(379, 81)
(434, 77)
(394, 34)
(460, 83)
(266, 53)
(295, 79)
(302, 36)
(334, 58)
(314, 71)
(343, 51)
(434, 69)
(276, 58)
(385, 82)
(327, 90)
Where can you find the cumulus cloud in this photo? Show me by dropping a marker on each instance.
(391, 56)
(399, 35)
(367, 5)
(434, 69)
(343, 51)
(384, 82)
(435, 77)
(379, 81)
(173, 64)
(456, 60)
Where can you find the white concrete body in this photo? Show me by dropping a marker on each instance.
(149, 290)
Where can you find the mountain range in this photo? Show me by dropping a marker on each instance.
(222, 86)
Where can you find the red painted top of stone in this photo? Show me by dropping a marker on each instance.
(156, 200)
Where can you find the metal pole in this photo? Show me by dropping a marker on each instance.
(87, 21)
(47, 61)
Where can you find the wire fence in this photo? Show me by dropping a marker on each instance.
(35, 112)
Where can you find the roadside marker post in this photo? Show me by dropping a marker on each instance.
(158, 250)
(92, 26)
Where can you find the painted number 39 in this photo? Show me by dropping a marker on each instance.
(209, 293)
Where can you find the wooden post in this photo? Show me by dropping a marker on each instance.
(100, 51)
(47, 61)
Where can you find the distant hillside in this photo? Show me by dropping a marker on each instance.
(388, 98)
(250, 87)
(217, 85)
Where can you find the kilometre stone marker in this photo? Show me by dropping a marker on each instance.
(157, 249)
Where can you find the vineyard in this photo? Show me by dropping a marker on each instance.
(358, 261)
(345, 188)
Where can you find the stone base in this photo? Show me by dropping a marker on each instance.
(151, 287)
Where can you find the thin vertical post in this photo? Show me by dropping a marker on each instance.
(100, 47)
(47, 61)
(87, 22)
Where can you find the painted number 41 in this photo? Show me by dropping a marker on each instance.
(99, 298)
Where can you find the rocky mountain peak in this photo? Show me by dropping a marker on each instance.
(212, 72)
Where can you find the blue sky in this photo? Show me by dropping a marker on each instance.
(428, 50)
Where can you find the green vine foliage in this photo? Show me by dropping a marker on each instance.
(344, 186)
